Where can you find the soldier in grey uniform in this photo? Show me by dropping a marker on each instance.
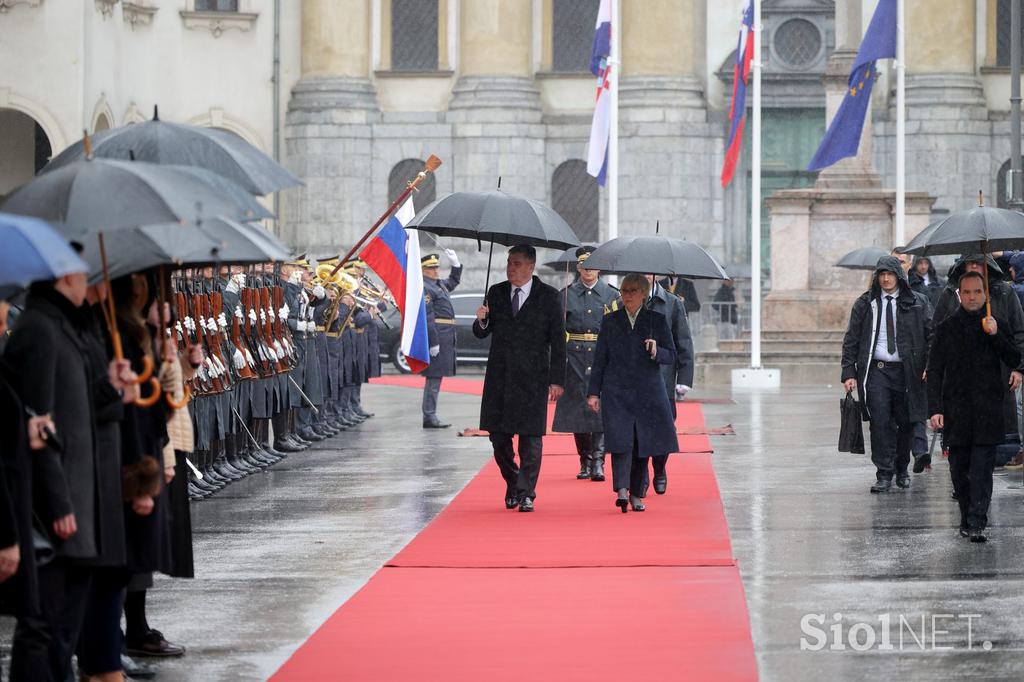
(440, 331)
(587, 300)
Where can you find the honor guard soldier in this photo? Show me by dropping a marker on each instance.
(440, 331)
(305, 391)
(587, 300)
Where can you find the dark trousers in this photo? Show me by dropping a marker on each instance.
(629, 470)
(658, 463)
(520, 482)
(920, 441)
(589, 446)
(100, 642)
(971, 470)
(430, 390)
(43, 643)
(891, 430)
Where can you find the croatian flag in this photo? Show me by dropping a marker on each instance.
(740, 81)
(600, 129)
(394, 254)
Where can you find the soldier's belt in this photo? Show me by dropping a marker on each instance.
(441, 320)
(360, 330)
(321, 329)
(333, 335)
(581, 337)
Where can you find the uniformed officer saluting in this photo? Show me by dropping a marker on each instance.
(587, 300)
(440, 331)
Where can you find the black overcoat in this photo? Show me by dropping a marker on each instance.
(527, 355)
(913, 330)
(629, 382)
(46, 350)
(965, 378)
(674, 311)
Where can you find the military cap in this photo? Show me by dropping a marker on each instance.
(431, 260)
(583, 253)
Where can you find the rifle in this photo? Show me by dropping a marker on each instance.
(268, 331)
(202, 336)
(215, 340)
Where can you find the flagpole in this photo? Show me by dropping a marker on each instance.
(615, 63)
(901, 127)
(755, 197)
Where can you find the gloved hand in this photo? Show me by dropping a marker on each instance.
(453, 258)
(434, 350)
(681, 391)
(300, 326)
(319, 291)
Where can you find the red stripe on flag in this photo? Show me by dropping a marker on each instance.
(383, 261)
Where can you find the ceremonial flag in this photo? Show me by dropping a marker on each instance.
(394, 254)
(843, 135)
(740, 80)
(600, 128)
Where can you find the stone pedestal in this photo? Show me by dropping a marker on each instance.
(811, 230)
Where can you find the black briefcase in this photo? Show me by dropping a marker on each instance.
(851, 430)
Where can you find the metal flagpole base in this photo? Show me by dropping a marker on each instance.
(756, 377)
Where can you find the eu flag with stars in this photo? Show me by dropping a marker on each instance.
(843, 135)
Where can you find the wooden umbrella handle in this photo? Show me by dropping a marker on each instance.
(177, 405)
(155, 396)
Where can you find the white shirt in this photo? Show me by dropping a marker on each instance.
(525, 292)
(882, 342)
(632, 317)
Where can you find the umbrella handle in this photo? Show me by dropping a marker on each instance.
(487, 285)
(984, 271)
(151, 400)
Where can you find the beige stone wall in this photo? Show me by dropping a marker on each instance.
(336, 38)
(658, 37)
(495, 37)
(940, 37)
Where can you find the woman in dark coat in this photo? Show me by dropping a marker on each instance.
(626, 386)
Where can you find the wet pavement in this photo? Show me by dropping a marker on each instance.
(278, 552)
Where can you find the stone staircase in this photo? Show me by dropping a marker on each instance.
(806, 358)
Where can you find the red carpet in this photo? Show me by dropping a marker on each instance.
(451, 384)
(575, 591)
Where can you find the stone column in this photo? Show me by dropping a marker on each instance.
(328, 130)
(495, 107)
(667, 148)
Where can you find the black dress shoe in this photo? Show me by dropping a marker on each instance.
(903, 481)
(597, 470)
(511, 502)
(435, 424)
(363, 413)
(964, 533)
(137, 669)
(623, 504)
(881, 486)
(584, 469)
(154, 644)
(922, 461)
(526, 505)
(310, 436)
(660, 484)
(286, 446)
(977, 535)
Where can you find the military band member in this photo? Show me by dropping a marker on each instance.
(440, 331)
(587, 300)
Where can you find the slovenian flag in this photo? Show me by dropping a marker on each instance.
(394, 254)
(740, 81)
(600, 129)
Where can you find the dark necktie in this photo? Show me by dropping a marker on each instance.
(515, 301)
(890, 327)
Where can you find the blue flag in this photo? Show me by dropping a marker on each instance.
(843, 135)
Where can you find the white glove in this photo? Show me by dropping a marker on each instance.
(434, 350)
(238, 313)
(296, 277)
(300, 325)
(270, 313)
(252, 315)
(453, 257)
(318, 291)
(283, 312)
(222, 321)
(681, 390)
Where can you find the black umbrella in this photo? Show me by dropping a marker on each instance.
(864, 258)
(496, 217)
(101, 194)
(166, 143)
(738, 270)
(656, 255)
(567, 260)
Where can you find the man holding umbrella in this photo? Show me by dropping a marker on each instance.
(525, 369)
(884, 355)
(586, 301)
(440, 330)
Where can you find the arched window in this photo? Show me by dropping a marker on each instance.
(414, 35)
(1002, 27)
(572, 34)
(24, 148)
(575, 197)
(400, 177)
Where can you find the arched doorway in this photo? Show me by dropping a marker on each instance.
(24, 149)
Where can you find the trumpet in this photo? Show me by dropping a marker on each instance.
(372, 294)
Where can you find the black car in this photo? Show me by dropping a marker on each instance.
(469, 349)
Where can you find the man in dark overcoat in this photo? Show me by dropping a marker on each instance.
(586, 302)
(885, 351)
(678, 377)
(627, 389)
(47, 351)
(525, 369)
(965, 393)
(440, 331)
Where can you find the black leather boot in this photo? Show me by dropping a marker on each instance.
(597, 457)
(583, 446)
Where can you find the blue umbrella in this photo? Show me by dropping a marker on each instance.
(33, 252)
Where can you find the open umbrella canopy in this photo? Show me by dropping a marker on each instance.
(33, 251)
(496, 217)
(738, 270)
(167, 143)
(655, 255)
(110, 195)
(243, 242)
(566, 261)
(864, 258)
(147, 246)
(982, 229)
